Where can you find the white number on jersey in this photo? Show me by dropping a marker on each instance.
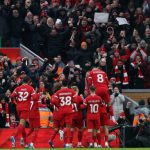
(31, 102)
(94, 108)
(100, 78)
(65, 101)
(23, 96)
(74, 106)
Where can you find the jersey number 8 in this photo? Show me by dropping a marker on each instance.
(100, 78)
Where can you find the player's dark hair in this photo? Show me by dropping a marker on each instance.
(92, 88)
(65, 83)
(26, 79)
(96, 65)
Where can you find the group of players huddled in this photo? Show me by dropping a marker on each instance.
(67, 106)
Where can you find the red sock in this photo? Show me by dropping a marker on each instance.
(90, 137)
(99, 138)
(65, 136)
(19, 130)
(79, 136)
(53, 135)
(24, 135)
(30, 132)
(106, 138)
(34, 136)
(94, 138)
(68, 135)
(71, 136)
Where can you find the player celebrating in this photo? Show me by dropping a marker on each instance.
(93, 104)
(58, 123)
(99, 80)
(23, 95)
(77, 116)
(65, 98)
(34, 120)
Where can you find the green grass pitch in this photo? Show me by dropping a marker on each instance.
(86, 149)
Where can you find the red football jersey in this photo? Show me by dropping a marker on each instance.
(65, 97)
(34, 107)
(98, 78)
(93, 103)
(23, 95)
(54, 103)
(77, 111)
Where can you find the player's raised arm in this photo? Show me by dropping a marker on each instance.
(14, 94)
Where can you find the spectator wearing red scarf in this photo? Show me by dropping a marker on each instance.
(121, 75)
(137, 73)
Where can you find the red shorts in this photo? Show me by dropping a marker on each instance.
(103, 93)
(104, 118)
(58, 123)
(61, 118)
(77, 119)
(93, 123)
(66, 115)
(23, 114)
(34, 122)
(77, 123)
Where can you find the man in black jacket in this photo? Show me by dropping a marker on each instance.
(142, 135)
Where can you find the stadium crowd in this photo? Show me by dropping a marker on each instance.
(64, 31)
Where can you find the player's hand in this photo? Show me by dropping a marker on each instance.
(7, 125)
(114, 120)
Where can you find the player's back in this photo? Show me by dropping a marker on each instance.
(65, 97)
(93, 103)
(54, 104)
(34, 107)
(76, 106)
(98, 78)
(23, 94)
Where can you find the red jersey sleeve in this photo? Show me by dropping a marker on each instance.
(14, 94)
(89, 78)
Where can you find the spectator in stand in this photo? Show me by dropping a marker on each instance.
(4, 113)
(16, 28)
(146, 72)
(100, 56)
(3, 81)
(137, 73)
(121, 75)
(140, 112)
(32, 71)
(57, 36)
(139, 51)
(117, 101)
(84, 54)
(4, 29)
(148, 102)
